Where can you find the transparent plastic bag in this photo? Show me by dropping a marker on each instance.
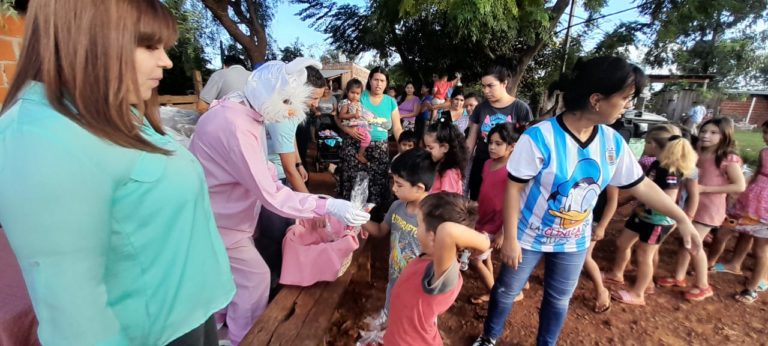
(359, 198)
(371, 338)
(182, 121)
(359, 194)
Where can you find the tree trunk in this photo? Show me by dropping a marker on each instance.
(256, 49)
(525, 58)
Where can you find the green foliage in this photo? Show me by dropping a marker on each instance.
(749, 144)
(700, 37)
(442, 35)
(188, 53)
(6, 7)
(289, 53)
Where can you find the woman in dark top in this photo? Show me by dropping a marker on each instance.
(498, 107)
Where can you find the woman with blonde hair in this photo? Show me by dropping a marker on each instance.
(108, 217)
(675, 160)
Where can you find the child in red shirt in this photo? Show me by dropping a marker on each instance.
(428, 285)
(501, 142)
(440, 91)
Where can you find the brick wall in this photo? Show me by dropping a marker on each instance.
(739, 109)
(11, 30)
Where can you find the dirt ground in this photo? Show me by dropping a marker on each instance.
(667, 319)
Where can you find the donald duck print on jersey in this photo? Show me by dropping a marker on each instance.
(563, 177)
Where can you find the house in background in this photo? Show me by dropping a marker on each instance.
(339, 73)
(752, 110)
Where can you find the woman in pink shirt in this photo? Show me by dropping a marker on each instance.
(446, 144)
(409, 107)
(232, 148)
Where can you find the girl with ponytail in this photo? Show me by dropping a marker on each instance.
(675, 159)
(447, 145)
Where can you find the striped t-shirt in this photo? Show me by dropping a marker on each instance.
(564, 177)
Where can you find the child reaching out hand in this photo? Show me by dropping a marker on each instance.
(429, 285)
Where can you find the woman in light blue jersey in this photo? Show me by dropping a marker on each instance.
(108, 217)
(556, 172)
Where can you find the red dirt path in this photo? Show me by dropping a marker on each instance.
(667, 319)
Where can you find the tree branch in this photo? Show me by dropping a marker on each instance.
(527, 55)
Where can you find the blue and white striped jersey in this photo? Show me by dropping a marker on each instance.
(564, 177)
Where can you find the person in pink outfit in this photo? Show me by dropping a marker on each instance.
(750, 213)
(446, 145)
(230, 142)
(719, 175)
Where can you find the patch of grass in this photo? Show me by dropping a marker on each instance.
(749, 144)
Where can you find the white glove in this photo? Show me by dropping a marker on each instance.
(346, 212)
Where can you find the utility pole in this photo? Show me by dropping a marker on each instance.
(568, 35)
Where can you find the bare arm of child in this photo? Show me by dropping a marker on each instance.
(611, 204)
(449, 238)
(735, 176)
(692, 201)
(345, 114)
(474, 130)
(455, 80)
(376, 229)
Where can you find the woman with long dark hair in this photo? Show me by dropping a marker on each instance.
(497, 108)
(556, 172)
(386, 117)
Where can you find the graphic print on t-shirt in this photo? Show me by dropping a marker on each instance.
(493, 120)
(563, 177)
(573, 200)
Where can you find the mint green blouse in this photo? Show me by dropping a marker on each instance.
(117, 246)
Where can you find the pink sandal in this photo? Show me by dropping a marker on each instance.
(670, 282)
(698, 294)
(625, 297)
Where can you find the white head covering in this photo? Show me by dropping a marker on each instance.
(278, 90)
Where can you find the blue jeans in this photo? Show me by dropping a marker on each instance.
(561, 275)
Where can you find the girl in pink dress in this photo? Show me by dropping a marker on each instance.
(719, 175)
(751, 214)
(446, 144)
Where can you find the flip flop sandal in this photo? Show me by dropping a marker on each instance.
(762, 286)
(623, 296)
(519, 297)
(720, 268)
(697, 294)
(671, 282)
(746, 296)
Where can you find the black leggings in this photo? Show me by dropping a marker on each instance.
(476, 173)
